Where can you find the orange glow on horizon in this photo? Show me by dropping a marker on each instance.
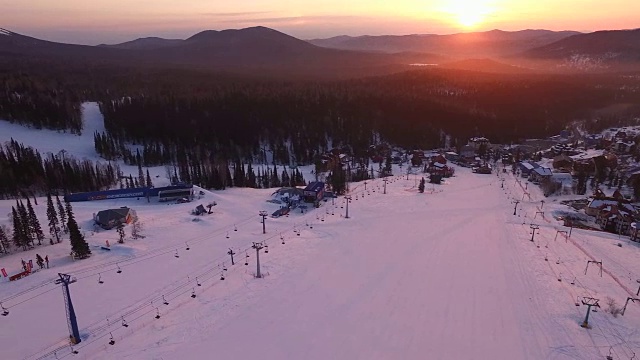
(113, 21)
(468, 13)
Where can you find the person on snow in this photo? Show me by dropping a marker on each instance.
(46, 259)
(39, 261)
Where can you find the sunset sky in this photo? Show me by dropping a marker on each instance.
(100, 21)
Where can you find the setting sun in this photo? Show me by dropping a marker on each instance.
(468, 13)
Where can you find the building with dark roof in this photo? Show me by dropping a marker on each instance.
(110, 218)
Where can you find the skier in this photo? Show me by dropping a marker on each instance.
(46, 259)
(24, 265)
(39, 261)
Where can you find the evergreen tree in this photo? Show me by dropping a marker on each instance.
(34, 223)
(25, 224)
(5, 244)
(63, 215)
(387, 166)
(275, 181)
(149, 182)
(141, 178)
(79, 247)
(52, 216)
(18, 237)
(120, 229)
(338, 179)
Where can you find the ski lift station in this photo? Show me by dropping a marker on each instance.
(314, 192)
(166, 193)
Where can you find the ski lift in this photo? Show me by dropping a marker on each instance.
(573, 282)
(558, 261)
(157, 314)
(609, 357)
(193, 293)
(577, 301)
(266, 248)
(73, 351)
(322, 219)
(546, 258)
(100, 279)
(235, 228)
(224, 266)
(186, 243)
(164, 301)
(111, 341)
(5, 311)
(222, 276)
(176, 254)
(246, 258)
(124, 322)
(227, 234)
(282, 238)
(119, 270)
(198, 282)
(559, 277)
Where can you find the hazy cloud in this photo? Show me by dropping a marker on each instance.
(236, 14)
(288, 19)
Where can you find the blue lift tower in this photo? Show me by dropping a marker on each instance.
(74, 333)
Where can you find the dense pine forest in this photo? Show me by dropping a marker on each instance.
(201, 122)
(27, 172)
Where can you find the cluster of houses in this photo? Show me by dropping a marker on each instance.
(614, 213)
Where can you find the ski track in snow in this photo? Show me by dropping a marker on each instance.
(445, 275)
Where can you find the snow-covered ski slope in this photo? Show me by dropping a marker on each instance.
(448, 274)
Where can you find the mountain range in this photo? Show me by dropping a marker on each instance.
(494, 43)
(261, 50)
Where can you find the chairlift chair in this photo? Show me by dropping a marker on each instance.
(193, 293)
(111, 341)
(119, 270)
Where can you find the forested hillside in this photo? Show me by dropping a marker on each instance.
(233, 118)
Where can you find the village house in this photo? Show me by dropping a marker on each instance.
(616, 218)
(468, 152)
(623, 147)
(540, 174)
(563, 163)
(526, 167)
(476, 142)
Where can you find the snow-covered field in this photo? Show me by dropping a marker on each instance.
(448, 274)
